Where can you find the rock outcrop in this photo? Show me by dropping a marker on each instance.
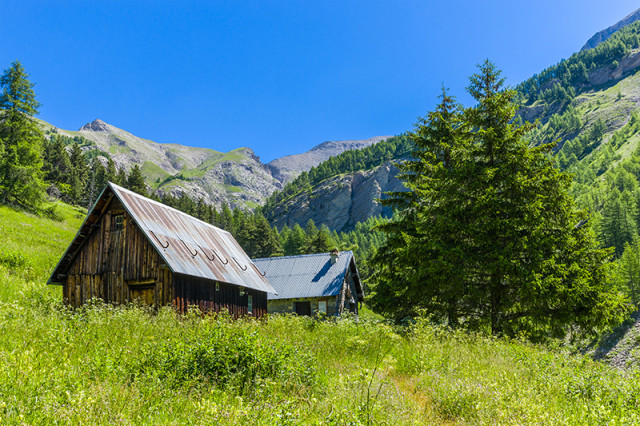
(342, 201)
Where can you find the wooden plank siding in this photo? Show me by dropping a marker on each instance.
(200, 292)
(115, 258)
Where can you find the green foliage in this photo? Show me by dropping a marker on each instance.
(135, 181)
(629, 270)
(488, 237)
(225, 356)
(20, 141)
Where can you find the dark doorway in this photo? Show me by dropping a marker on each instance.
(144, 294)
(303, 308)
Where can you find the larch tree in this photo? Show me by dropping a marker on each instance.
(487, 236)
(20, 140)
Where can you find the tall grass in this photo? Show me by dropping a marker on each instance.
(129, 365)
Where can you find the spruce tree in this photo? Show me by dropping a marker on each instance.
(20, 140)
(79, 175)
(112, 172)
(136, 183)
(488, 236)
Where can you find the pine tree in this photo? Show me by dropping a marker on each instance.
(57, 165)
(97, 181)
(20, 140)
(295, 241)
(488, 236)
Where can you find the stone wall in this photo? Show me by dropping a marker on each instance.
(287, 306)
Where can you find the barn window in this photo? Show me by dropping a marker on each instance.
(250, 304)
(322, 307)
(118, 222)
(217, 286)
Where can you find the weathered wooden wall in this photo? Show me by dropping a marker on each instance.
(347, 299)
(191, 291)
(117, 264)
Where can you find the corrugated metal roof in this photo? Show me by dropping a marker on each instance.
(308, 275)
(188, 245)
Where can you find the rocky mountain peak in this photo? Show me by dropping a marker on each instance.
(96, 125)
(601, 36)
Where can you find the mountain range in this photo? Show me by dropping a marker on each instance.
(237, 178)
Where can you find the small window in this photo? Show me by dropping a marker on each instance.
(250, 304)
(217, 286)
(322, 307)
(118, 222)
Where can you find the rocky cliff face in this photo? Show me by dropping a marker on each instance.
(242, 181)
(343, 201)
(601, 36)
(287, 168)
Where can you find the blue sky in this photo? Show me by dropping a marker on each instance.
(278, 76)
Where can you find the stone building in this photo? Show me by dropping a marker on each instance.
(312, 284)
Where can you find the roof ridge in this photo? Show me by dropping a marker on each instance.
(301, 255)
(164, 206)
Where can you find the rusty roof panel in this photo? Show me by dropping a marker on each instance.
(191, 246)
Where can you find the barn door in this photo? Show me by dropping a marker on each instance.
(144, 294)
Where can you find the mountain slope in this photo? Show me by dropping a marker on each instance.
(603, 35)
(343, 190)
(342, 201)
(287, 168)
(237, 177)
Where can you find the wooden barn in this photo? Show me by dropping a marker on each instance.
(133, 248)
(312, 284)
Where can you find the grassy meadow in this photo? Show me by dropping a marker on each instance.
(128, 365)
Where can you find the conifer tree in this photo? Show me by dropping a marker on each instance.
(97, 181)
(79, 175)
(111, 171)
(488, 236)
(136, 183)
(20, 140)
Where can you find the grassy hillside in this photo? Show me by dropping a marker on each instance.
(106, 365)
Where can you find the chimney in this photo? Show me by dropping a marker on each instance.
(335, 254)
